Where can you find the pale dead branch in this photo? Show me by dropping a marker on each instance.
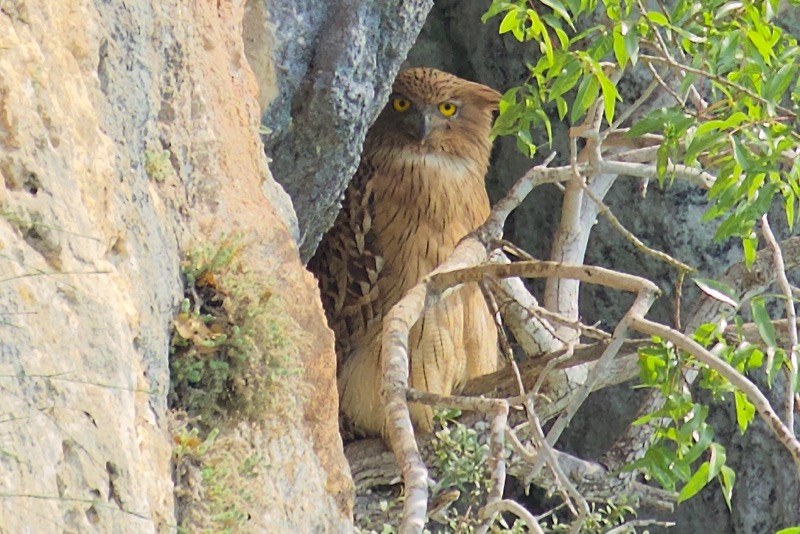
(754, 395)
(791, 317)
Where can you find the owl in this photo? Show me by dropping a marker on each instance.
(418, 190)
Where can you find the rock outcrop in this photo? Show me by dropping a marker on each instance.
(129, 136)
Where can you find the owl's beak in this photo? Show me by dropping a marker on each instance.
(424, 126)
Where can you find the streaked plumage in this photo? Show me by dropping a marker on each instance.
(418, 190)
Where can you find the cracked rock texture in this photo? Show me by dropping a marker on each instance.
(92, 92)
(336, 61)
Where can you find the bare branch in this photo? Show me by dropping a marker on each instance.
(642, 170)
(630, 110)
(635, 241)
(517, 510)
(628, 526)
(791, 316)
(498, 410)
(744, 385)
(719, 79)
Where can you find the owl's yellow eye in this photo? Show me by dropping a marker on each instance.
(400, 104)
(448, 109)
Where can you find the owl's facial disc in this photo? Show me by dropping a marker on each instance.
(423, 124)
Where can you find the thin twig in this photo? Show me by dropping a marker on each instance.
(720, 80)
(518, 510)
(664, 84)
(791, 316)
(546, 453)
(627, 112)
(628, 526)
(635, 241)
(498, 410)
(739, 381)
(642, 170)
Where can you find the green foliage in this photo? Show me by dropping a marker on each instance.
(602, 517)
(735, 76)
(684, 450)
(231, 346)
(216, 480)
(682, 435)
(462, 458)
(462, 465)
(157, 165)
(560, 69)
(734, 49)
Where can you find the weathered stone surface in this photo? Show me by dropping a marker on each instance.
(95, 219)
(336, 61)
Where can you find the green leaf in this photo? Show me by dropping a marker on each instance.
(777, 364)
(698, 481)
(566, 80)
(745, 410)
(508, 120)
(727, 479)
(701, 143)
(632, 42)
(588, 91)
(662, 161)
(610, 95)
(705, 437)
(498, 6)
(620, 51)
(525, 143)
(780, 82)
(656, 120)
(717, 460)
(509, 99)
(512, 23)
(740, 154)
(547, 126)
(659, 467)
(717, 291)
(756, 358)
(790, 530)
(763, 322)
(560, 10)
(764, 48)
(750, 244)
(728, 50)
(726, 9)
(706, 333)
(561, 106)
(709, 126)
(689, 36)
(735, 120)
(657, 18)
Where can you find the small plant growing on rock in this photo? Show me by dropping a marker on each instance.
(157, 165)
(214, 479)
(232, 357)
(229, 351)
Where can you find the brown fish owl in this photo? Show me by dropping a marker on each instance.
(418, 190)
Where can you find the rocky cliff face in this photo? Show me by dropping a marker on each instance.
(129, 137)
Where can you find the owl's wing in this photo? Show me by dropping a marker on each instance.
(348, 264)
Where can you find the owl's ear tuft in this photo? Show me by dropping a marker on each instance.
(486, 97)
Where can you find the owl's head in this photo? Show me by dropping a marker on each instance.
(430, 111)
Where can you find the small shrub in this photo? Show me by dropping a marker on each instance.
(231, 346)
(215, 479)
(157, 165)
